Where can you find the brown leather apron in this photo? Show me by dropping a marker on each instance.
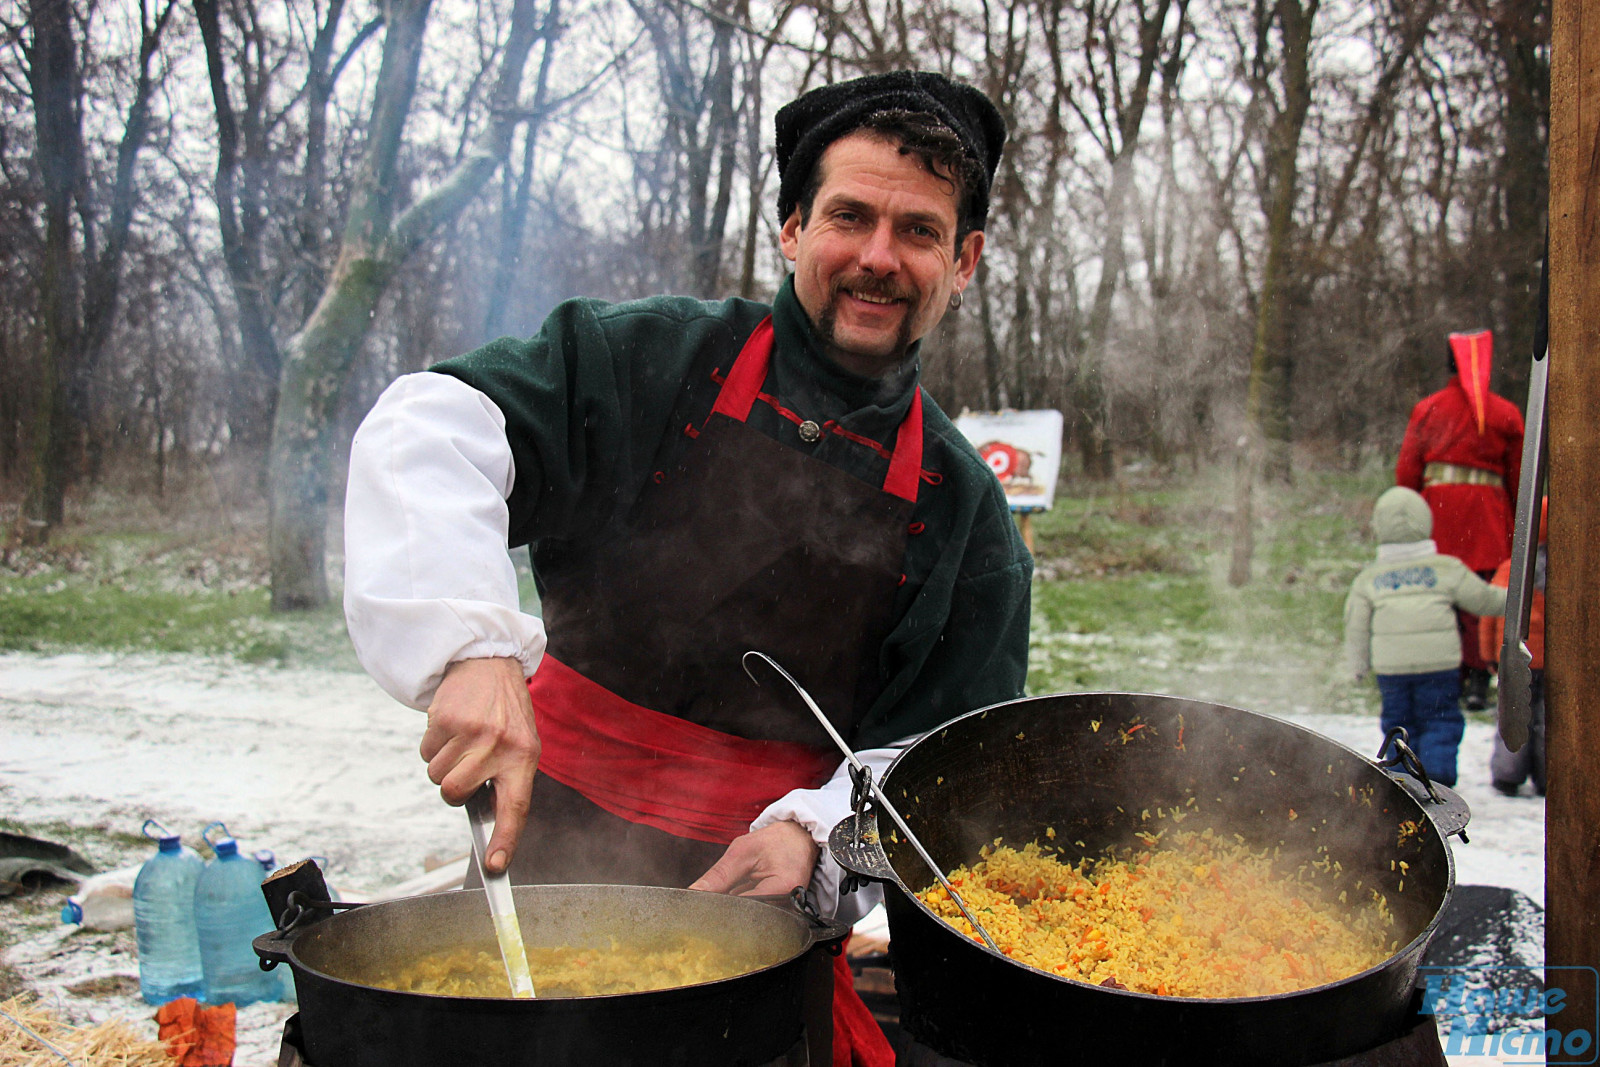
(745, 543)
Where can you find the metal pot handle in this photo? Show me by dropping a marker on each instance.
(828, 933)
(302, 910)
(856, 847)
(1441, 804)
(273, 948)
(860, 850)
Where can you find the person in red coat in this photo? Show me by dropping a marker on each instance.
(1463, 452)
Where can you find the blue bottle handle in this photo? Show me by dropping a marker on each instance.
(205, 835)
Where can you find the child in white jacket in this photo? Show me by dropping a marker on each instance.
(1399, 621)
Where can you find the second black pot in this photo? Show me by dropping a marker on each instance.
(1095, 767)
(753, 1018)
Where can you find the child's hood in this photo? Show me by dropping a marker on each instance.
(1401, 516)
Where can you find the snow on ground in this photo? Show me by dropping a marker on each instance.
(318, 762)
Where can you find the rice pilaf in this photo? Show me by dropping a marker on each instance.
(1199, 917)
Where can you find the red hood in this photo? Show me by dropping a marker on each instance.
(1474, 353)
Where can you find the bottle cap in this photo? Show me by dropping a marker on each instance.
(168, 842)
(223, 846)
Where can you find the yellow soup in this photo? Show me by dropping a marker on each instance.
(477, 971)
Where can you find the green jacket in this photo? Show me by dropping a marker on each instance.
(599, 399)
(1400, 615)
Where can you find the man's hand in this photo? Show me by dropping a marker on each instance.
(769, 862)
(480, 727)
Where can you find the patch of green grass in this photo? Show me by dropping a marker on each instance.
(1131, 592)
(143, 592)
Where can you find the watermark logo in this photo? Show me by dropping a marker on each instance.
(1519, 1014)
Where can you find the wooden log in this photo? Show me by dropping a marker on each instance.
(305, 877)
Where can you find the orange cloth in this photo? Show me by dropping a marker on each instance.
(198, 1035)
(1492, 628)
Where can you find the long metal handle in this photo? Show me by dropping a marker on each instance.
(877, 794)
(1514, 703)
(497, 887)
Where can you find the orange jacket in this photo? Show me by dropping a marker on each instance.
(1492, 628)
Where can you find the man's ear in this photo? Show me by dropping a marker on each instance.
(789, 236)
(967, 258)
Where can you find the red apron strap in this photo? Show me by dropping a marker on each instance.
(652, 768)
(749, 371)
(905, 466)
(742, 386)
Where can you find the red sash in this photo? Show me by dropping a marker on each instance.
(649, 767)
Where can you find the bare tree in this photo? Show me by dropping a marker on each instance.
(81, 265)
(517, 186)
(1114, 117)
(378, 237)
(271, 218)
(1266, 408)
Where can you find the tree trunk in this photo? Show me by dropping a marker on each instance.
(318, 359)
(240, 217)
(55, 86)
(1245, 463)
(515, 210)
(1094, 443)
(317, 362)
(1265, 448)
(1520, 44)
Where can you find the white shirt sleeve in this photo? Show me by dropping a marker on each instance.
(819, 811)
(428, 579)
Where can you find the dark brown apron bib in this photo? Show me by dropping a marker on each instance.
(745, 544)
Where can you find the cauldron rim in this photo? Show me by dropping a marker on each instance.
(809, 937)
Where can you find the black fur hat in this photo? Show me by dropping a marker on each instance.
(808, 125)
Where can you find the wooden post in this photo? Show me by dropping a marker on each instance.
(1572, 619)
(1025, 521)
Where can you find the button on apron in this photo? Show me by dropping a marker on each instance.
(810, 432)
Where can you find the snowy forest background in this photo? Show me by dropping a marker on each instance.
(1225, 232)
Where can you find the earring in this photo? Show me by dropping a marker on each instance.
(955, 299)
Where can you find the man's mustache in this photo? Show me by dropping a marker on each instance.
(879, 288)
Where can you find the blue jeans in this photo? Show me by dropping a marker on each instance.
(1429, 707)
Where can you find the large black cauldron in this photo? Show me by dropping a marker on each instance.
(1091, 765)
(754, 1018)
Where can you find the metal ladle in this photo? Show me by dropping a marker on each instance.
(877, 794)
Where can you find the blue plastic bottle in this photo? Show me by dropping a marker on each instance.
(283, 973)
(163, 919)
(229, 912)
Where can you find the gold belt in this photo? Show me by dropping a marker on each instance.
(1455, 474)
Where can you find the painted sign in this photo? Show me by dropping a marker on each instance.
(1023, 448)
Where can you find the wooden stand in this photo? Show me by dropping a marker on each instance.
(1025, 524)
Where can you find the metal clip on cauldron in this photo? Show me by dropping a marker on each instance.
(860, 800)
(1447, 810)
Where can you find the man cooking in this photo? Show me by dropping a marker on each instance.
(696, 480)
